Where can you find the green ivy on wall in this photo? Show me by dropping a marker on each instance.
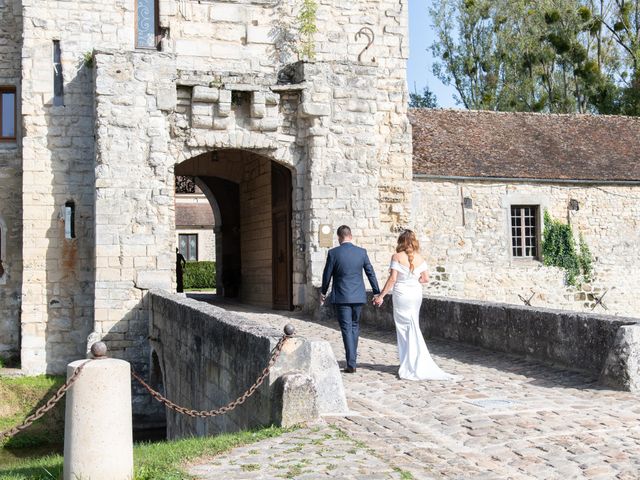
(559, 250)
(307, 28)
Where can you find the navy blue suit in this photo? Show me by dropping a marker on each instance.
(345, 265)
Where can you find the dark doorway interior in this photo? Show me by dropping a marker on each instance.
(282, 249)
(229, 266)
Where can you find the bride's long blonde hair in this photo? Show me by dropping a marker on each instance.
(408, 243)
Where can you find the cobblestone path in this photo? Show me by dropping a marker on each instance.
(507, 418)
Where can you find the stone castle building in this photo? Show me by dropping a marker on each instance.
(105, 102)
(114, 98)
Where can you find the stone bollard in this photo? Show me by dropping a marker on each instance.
(296, 400)
(98, 437)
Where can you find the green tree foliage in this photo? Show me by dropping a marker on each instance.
(426, 99)
(559, 250)
(559, 56)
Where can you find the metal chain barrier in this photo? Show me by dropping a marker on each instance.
(99, 351)
(231, 405)
(46, 407)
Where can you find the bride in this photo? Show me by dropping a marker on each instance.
(407, 272)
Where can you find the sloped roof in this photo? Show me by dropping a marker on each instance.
(525, 145)
(194, 215)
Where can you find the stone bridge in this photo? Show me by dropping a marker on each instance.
(204, 357)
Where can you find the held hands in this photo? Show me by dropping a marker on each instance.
(322, 299)
(378, 300)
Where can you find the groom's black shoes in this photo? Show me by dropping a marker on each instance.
(349, 370)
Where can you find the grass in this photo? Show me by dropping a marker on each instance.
(152, 461)
(19, 397)
(404, 475)
(29, 454)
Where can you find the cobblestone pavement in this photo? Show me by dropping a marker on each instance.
(507, 418)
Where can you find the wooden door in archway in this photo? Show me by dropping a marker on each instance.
(282, 263)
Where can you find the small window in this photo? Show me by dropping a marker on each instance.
(147, 20)
(3, 231)
(524, 231)
(8, 118)
(189, 246)
(69, 220)
(58, 80)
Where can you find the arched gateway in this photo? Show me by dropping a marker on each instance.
(252, 198)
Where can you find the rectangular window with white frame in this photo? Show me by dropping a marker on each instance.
(188, 244)
(525, 231)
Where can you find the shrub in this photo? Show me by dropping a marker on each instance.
(559, 250)
(199, 275)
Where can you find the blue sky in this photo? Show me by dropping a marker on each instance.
(420, 59)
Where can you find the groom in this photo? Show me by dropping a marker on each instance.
(345, 264)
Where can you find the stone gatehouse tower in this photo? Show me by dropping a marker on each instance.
(113, 98)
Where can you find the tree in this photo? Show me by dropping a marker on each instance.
(545, 55)
(427, 99)
(620, 21)
(471, 62)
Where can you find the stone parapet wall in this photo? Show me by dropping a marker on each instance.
(210, 356)
(594, 343)
(468, 250)
(10, 187)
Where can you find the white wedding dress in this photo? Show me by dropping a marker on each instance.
(415, 361)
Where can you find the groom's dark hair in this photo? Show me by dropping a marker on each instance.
(343, 232)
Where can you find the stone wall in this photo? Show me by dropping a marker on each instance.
(135, 210)
(211, 356)
(470, 256)
(580, 341)
(58, 163)
(10, 187)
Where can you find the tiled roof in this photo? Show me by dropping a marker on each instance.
(194, 215)
(525, 145)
